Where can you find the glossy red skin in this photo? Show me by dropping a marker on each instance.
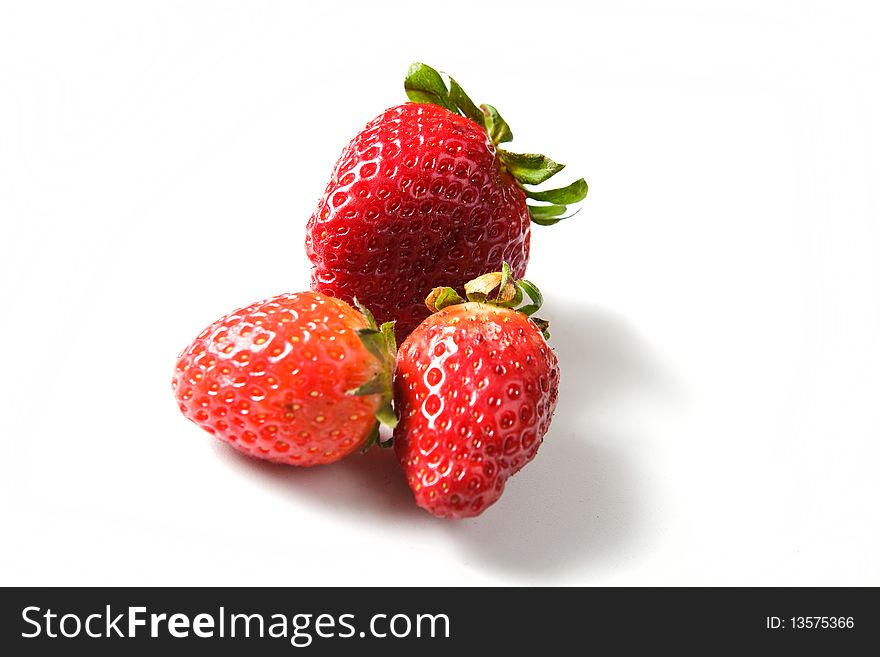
(475, 388)
(418, 199)
(271, 380)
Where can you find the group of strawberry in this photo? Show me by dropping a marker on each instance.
(421, 203)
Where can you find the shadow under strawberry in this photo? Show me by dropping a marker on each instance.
(363, 485)
(580, 501)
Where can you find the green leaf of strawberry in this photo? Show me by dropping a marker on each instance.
(424, 84)
(573, 193)
(498, 289)
(441, 297)
(380, 342)
(465, 104)
(530, 168)
(499, 131)
(547, 215)
(546, 211)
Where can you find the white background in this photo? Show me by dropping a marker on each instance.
(715, 306)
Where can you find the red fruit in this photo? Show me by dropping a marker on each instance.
(422, 197)
(475, 390)
(396, 221)
(276, 379)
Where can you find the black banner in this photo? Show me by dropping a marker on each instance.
(421, 621)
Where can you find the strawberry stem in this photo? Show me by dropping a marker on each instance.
(380, 342)
(510, 294)
(424, 84)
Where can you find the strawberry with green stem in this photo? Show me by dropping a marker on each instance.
(302, 379)
(425, 195)
(475, 390)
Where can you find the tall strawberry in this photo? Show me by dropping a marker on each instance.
(424, 196)
(475, 390)
(300, 378)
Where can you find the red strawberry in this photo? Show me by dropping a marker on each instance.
(423, 196)
(299, 378)
(475, 390)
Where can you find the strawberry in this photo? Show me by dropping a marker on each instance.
(423, 196)
(299, 378)
(475, 390)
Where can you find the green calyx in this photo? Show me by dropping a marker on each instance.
(380, 342)
(424, 84)
(495, 289)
